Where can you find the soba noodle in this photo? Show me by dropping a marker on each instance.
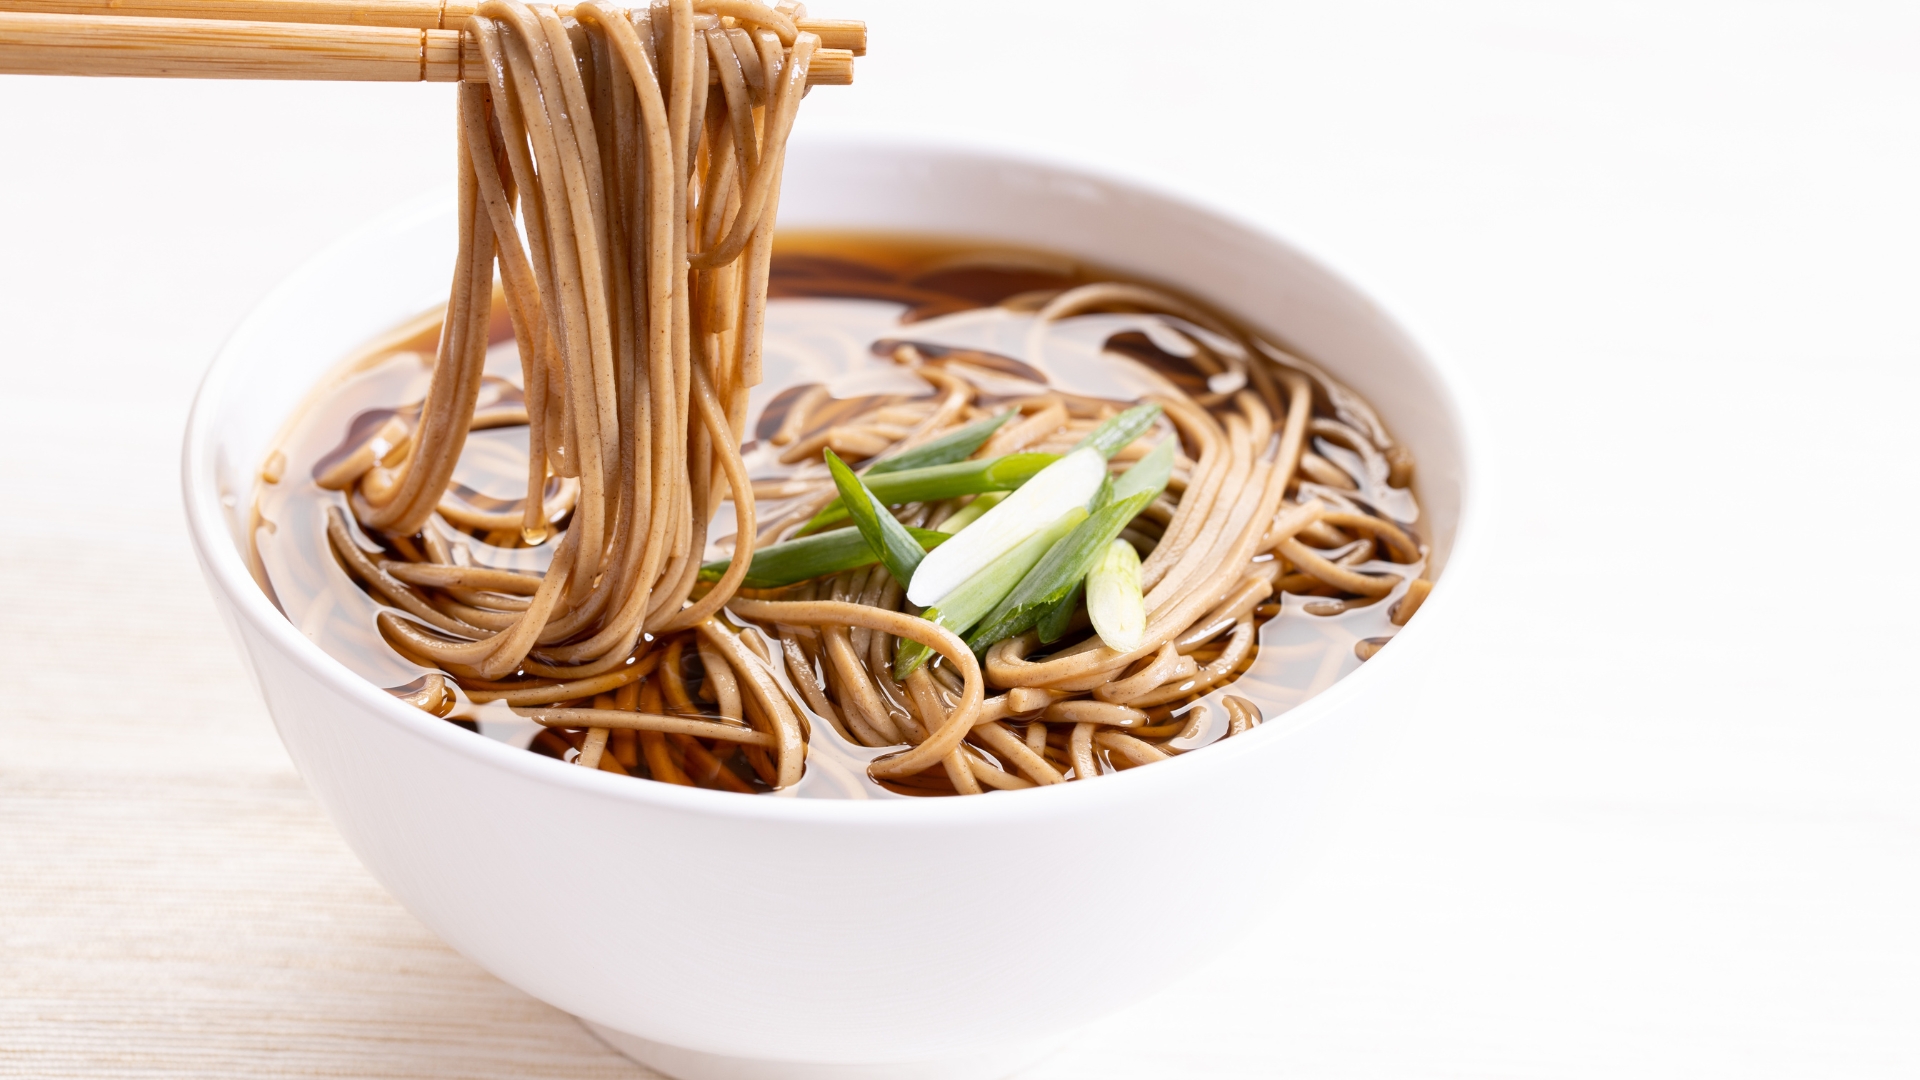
(628, 207)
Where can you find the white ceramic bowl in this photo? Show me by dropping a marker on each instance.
(720, 935)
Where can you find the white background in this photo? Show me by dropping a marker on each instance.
(1664, 817)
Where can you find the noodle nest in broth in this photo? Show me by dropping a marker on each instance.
(1037, 524)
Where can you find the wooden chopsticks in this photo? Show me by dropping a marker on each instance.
(338, 40)
(847, 34)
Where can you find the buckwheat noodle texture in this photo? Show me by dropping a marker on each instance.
(636, 299)
(1252, 513)
(620, 176)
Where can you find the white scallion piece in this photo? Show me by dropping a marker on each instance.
(1069, 482)
(1114, 603)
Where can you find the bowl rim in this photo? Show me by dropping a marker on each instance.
(227, 572)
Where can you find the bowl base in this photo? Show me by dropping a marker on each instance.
(681, 1063)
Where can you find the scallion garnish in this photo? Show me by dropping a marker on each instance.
(1064, 567)
(1120, 429)
(975, 597)
(793, 561)
(1066, 483)
(889, 539)
(1151, 472)
(956, 445)
(941, 482)
(1055, 620)
(971, 512)
(1114, 603)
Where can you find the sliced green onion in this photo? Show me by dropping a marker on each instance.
(810, 557)
(966, 605)
(1054, 622)
(941, 482)
(1151, 472)
(882, 531)
(1068, 562)
(956, 445)
(1066, 483)
(1113, 436)
(1114, 603)
(1056, 575)
(971, 512)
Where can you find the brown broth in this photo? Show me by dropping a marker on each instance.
(839, 302)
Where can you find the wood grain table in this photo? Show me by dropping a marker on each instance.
(1661, 818)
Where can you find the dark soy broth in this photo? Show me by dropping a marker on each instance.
(841, 305)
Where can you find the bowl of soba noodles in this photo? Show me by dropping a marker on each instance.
(875, 644)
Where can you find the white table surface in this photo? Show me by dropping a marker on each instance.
(1663, 820)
